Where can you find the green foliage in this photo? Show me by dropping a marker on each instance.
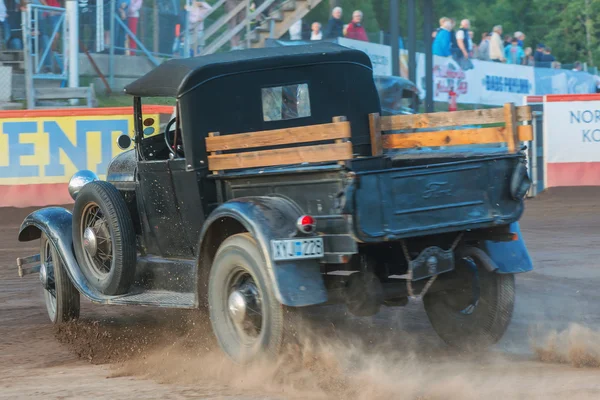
(570, 27)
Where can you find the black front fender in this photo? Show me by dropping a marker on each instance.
(296, 283)
(56, 223)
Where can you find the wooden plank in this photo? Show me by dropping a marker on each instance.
(375, 132)
(339, 141)
(301, 134)
(449, 119)
(290, 155)
(511, 132)
(525, 133)
(62, 93)
(444, 138)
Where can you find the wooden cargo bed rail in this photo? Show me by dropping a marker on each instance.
(336, 133)
(512, 131)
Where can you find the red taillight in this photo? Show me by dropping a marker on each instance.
(306, 224)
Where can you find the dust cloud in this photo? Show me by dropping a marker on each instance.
(329, 364)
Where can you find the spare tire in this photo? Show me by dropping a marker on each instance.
(104, 238)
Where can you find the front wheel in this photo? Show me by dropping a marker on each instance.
(61, 297)
(476, 314)
(246, 317)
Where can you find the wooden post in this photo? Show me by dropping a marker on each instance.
(511, 130)
(375, 132)
(340, 119)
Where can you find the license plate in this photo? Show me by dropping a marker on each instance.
(294, 249)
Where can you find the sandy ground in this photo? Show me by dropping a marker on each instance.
(551, 349)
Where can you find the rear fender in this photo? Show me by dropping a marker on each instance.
(510, 257)
(296, 283)
(56, 223)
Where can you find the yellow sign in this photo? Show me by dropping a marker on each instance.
(51, 149)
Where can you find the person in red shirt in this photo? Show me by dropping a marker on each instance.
(355, 30)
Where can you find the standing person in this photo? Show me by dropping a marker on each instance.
(335, 26)
(520, 36)
(133, 17)
(507, 40)
(464, 44)
(196, 14)
(547, 58)
(484, 47)
(315, 31)
(453, 43)
(514, 53)
(442, 43)
(230, 5)
(87, 23)
(539, 52)
(577, 67)
(119, 35)
(496, 45)
(5, 24)
(475, 47)
(355, 28)
(528, 59)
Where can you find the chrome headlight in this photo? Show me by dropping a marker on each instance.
(79, 180)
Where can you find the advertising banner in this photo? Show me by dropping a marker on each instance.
(572, 140)
(41, 149)
(380, 55)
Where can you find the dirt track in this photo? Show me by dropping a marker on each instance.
(131, 353)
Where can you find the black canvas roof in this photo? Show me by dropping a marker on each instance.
(175, 77)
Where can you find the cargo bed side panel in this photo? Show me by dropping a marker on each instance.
(424, 200)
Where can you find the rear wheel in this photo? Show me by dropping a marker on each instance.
(61, 297)
(247, 319)
(476, 314)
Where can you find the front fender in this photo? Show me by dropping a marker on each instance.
(510, 257)
(296, 283)
(56, 223)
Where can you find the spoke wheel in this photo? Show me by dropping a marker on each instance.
(104, 238)
(61, 297)
(97, 240)
(247, 319)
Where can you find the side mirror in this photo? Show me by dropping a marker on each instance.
(124, 142)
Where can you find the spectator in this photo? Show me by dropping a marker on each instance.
(539, 52)
(529, 59)
(483, 52)
(514, 53)
(547, 58)
(442, 43)
(196, 14)
(133, 16)
(475, 47)
(5, 24)
(355, 29)
(577, 66)
(230, 5)
(121, 12)
(335, 26)
(453, 43)
(295, 30)
(520, 36)
(316, 33)
(507, 40)
(496, 45)
(463, 40)
(555, 65)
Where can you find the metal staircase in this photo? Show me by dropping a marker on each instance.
(271, 19)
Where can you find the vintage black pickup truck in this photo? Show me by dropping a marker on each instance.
(279, 184)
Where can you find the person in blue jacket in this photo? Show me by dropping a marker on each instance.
(514, 53)
(442, 43)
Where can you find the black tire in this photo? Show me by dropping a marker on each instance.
(114, 275)
(240, 254)
(63, 303)
(488, 321)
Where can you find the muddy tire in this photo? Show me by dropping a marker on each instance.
(448, 311)
(61, 297)
(104, 238)
(247, 319)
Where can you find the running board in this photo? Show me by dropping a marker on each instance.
(154, 298)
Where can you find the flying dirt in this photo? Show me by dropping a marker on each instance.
(550, 351)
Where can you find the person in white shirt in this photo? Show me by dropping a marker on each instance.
(497, 45)
(316, 33)
(296, 30)
(197, 12)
